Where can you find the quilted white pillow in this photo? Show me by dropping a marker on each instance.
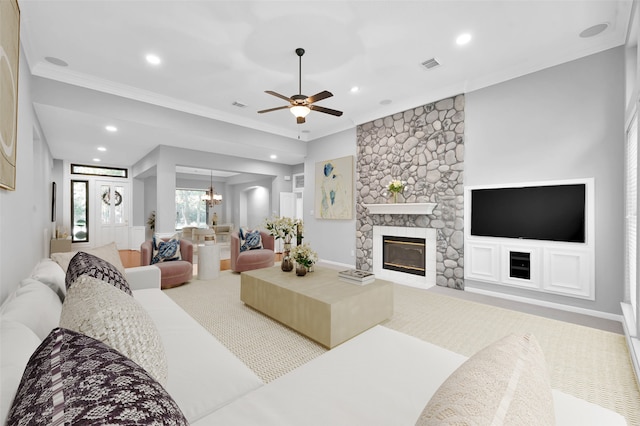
(505, 383)
(106, 313)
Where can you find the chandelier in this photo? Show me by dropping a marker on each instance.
(210, 197)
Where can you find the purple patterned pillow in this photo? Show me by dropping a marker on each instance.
(74, 379)
(87, 264)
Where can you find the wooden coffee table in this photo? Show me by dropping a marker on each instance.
(318, 305)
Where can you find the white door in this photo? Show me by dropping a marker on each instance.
(288, 204)
(111, 217)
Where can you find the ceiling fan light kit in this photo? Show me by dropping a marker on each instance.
(300, 105)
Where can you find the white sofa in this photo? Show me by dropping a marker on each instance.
(381, 377)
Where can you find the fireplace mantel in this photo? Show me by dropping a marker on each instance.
(401, 208)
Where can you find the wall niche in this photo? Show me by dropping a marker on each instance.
(424, 147)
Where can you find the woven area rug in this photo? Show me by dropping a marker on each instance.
(586, 362)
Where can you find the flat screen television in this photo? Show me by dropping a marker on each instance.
(548, 213)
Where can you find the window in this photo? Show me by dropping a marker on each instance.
(631, 214)
(79, 169)
(190, 209)
(79, 211)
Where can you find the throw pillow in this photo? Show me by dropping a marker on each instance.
(87, 264)
(50, 273)
(505, 383)
(75, 379)
(18, 344)
(35, 305)
(164, 251)
(250, 240)
(98, 309)
(108, 252)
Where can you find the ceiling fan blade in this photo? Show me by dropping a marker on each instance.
(274, 109)
(300, 120)
(319, 96)
(326, 110)
(278, 95)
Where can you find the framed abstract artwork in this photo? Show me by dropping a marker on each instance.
(9, 56)
(334, 188)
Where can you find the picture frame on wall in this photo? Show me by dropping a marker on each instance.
(334, 188)
(53, 201)
(9, 61)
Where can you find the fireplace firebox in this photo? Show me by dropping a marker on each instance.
(404, 254)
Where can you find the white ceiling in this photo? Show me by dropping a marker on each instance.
(215, 53)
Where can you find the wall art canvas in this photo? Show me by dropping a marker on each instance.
(334, 188)
(9, 55)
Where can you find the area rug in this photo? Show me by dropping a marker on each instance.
(586, 362)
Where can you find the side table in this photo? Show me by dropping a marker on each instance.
(60, 245)
(208, 261)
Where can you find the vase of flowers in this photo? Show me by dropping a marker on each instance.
(304, 257)
(396, 186)
(283, 228)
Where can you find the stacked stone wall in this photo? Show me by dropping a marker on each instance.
(423, 147)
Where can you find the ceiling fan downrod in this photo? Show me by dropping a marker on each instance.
(299, 52)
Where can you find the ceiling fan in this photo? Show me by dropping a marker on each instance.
(301, 105)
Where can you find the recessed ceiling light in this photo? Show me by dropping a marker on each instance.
(355, 89)
(273, 156)
(111, 128)
(56, 61)
(97, 160)
(463, 39)
(153, 59)
(594, 30)
(102, 148)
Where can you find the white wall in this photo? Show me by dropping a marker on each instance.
(333, 240)
(25, 214)
(565, 122)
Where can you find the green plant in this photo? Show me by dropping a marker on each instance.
(151, 221)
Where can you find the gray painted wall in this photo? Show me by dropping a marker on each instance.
(333, 240)
(564, 122)
(25, 214)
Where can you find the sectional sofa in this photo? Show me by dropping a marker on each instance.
(381, 377)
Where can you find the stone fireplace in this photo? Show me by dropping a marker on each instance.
(405, 255)
(424, 147)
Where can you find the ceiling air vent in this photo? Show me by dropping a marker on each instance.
(430, 63)
(239, 104)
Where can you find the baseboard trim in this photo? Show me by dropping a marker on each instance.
(334, 265)
(559, 306)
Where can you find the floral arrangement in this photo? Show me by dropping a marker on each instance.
(281, 227)
(395, 186)
(304, 255)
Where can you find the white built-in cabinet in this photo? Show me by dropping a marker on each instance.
(560, 268)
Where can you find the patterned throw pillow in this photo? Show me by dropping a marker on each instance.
(164, 251)
(505, 383)
(101, 311)
(250, 240)
(74, 379)
(87, 264)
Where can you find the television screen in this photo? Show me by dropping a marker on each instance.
(551, 213)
